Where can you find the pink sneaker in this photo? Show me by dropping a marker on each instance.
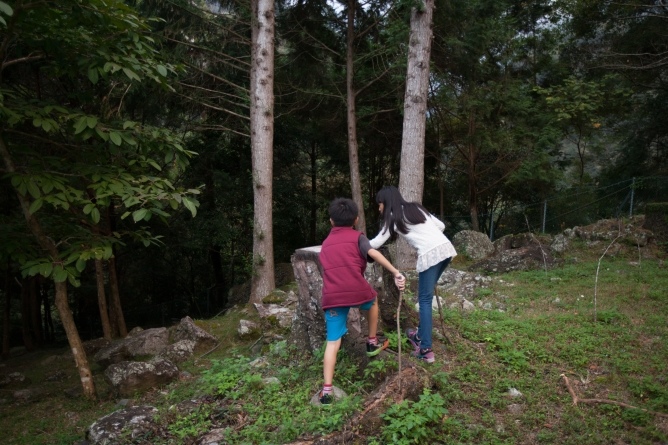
(425, 354)
(413, 338)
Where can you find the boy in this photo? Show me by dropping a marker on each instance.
(343, 257)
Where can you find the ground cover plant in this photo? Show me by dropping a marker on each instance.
(502, 380)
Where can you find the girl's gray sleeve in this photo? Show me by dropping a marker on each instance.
(365, 246)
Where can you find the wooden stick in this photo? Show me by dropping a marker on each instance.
(576, 400)
(401, 297)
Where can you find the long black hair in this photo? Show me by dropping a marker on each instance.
(397, 211)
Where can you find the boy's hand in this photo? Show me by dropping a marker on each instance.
(400, 281)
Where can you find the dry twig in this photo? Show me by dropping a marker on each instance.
(599, 266)
(577, 400)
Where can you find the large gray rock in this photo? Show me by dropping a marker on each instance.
(188, 330)
(111, 428)
(144, 343)
(179, 352)
(474, 245)
(282, 315)
(128, 378)
(524, 258)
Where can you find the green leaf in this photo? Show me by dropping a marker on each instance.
(88, 208)
(81, 264)
(154, 164)
(34, 190)
(6, 9)
(37, 122)
(162, 70)
(46, 269)
(36, 205)
(104, 136)
(95, 215)
(190, 205)
(93, 75)
(59, 274)
(73, 280)
(131, 74)
(138, 215)
(91, 121)
(115, 137)
(81, 125)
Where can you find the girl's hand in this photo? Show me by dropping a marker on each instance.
(400, 281)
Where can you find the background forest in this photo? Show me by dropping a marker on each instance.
(124, 133)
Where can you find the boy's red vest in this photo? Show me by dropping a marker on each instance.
(343, 270)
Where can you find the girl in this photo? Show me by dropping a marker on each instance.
(425, 234)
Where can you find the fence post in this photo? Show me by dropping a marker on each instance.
(633, 186)
(544, 213)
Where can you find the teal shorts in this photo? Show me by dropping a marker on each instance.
(336, 320)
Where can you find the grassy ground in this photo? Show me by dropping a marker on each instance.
(613, 349)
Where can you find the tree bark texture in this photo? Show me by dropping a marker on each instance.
(472, 174)
(411, 175)
(353, 146)
(102, 299)
(6, 316)
(118, 324)
(262, 134)
(76, 346)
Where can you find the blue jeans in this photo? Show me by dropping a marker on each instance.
(426, 284)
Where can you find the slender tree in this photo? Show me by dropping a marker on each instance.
(353, 146)
(262, 134)
(411, 175)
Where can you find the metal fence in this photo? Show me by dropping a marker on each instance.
(574, 206)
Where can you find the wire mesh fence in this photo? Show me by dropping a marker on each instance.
(574, 206)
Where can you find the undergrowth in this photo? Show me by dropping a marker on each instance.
(501, 381)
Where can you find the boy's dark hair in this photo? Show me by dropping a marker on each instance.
(343, 212)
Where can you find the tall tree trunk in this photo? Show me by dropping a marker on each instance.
(48, 320)
(102, 299)
(314, 192)
(35, 318)
(25, 315)
(215, 256)
(262, 134)
(75, 341)
(472, 174)
(119, 326)
(353, 148)
(49, 246)
(6, 315)
(411, 174)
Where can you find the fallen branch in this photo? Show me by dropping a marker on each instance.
(577, 400)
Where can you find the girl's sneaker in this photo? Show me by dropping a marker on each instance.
(326, 399)
(413, 338)
(426, 355)
(373, 350)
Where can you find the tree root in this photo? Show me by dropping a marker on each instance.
(577, 400)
